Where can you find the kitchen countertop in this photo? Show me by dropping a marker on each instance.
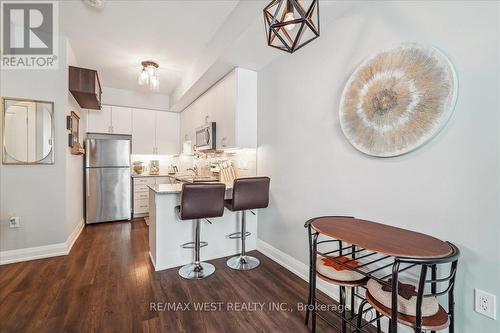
(148, 175)
(174, 188)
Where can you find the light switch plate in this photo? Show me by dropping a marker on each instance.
(485, 303)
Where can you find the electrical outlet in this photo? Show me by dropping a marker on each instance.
(485, 303)
(14, 222)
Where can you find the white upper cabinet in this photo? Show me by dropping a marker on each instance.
(185, 122)
(121, 120)
(110, 119)
(153, 132)
(167, 133)
(99, 121)
(209, 114)
(244, 107)
(232, 104)
(143, 131)
(226, 112)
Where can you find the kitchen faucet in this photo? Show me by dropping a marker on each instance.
(195, 170)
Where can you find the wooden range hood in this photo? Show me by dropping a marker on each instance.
(85, 86)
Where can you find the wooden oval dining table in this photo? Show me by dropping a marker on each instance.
(375, 238)
(382, 238)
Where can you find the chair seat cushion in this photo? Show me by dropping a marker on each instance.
(430, 305)
(330, 269)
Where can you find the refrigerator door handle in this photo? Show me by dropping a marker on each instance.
(88, 182)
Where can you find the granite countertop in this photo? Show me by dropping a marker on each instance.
(174, 188)
(133, 175)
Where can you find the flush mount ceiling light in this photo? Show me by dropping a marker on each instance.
(95, 3)
(149, 75)
(291, 24)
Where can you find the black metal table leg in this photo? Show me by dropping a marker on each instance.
(313, 287)
(342, 305)
(310, 273)
(394, 298)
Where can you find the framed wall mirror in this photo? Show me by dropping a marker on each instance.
(28, 131)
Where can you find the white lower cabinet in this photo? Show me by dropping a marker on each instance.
(141, 193)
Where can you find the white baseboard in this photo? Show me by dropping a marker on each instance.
(74, 235)
(152, 261)
(40, 252)
(296, 267)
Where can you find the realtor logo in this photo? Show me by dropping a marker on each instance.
(29, 35)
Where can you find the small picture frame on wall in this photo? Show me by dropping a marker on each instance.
(73, 125)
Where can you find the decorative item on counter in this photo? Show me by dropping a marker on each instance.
(226, 172)
(154, 167)
(138, 167)
(398, 99)
(172, 169)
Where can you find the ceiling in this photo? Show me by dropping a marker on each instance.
(196, 42)
(115, 39)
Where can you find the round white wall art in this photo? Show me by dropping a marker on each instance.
(398, 99)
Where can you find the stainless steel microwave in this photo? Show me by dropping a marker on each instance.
(205, 137)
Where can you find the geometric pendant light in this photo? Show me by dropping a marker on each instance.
(291, 24)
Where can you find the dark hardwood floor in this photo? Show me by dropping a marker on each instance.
(107, 284)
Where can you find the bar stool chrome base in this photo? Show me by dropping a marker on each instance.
(196, 271)
(243, 263)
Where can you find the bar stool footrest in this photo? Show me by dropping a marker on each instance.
(191, 245)
(238, 235)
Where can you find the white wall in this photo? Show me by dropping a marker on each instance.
(74, 163)
(450, 188)
(36, 192)
(47, 198)
(144, 100)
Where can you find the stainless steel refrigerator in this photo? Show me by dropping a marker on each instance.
(107, 178)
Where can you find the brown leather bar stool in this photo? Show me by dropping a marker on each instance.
(248, 194)
(199, 201)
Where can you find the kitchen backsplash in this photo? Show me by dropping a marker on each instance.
(244, 162)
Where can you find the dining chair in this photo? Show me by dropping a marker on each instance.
(337, 275)
(408, 303)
